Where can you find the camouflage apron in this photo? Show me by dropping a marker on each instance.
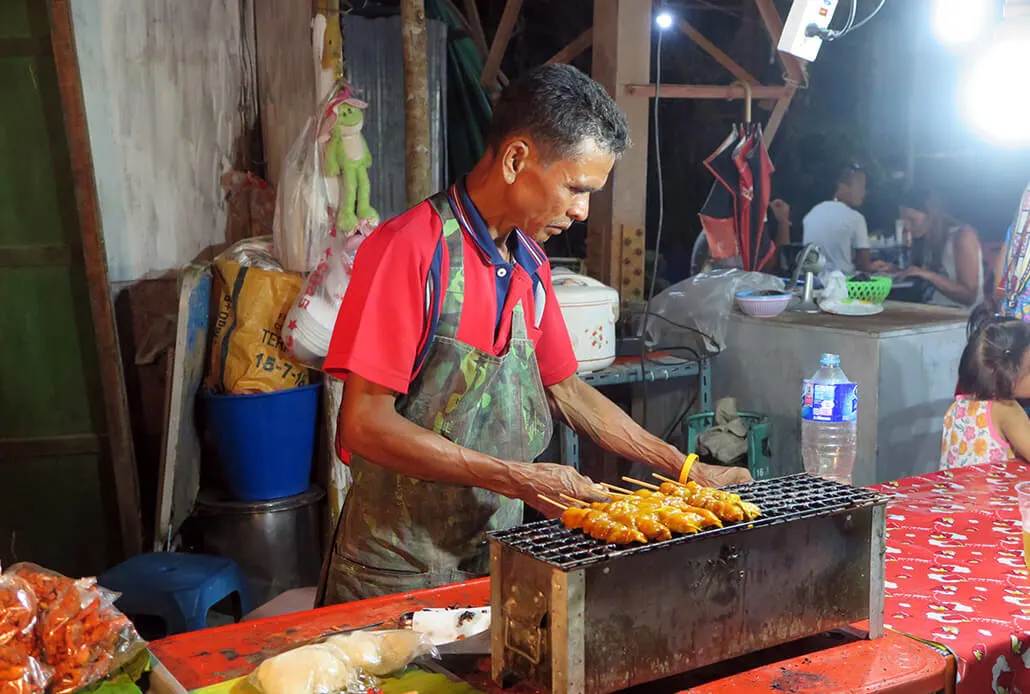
(397, 533)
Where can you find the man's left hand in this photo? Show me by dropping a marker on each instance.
(718, 476)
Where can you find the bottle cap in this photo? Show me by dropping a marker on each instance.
(830, 360)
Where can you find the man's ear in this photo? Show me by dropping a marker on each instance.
(515, 158)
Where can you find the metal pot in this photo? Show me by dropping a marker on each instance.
(276, 543)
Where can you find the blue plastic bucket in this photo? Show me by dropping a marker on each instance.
(265, 440)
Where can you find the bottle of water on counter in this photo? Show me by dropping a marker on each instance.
(829, 422)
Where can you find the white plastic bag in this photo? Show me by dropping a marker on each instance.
(309, 323)
(692, 314)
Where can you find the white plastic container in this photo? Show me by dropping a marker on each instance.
(590, 309)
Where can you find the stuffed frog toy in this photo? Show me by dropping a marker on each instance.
(347, 156)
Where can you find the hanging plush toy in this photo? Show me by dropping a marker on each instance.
(347, 156)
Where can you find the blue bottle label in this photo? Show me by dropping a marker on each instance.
(826, 402)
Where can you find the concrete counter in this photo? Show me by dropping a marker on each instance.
(905, 361)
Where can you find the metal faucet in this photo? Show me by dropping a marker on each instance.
(805, 304)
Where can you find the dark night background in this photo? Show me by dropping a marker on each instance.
(868, 94)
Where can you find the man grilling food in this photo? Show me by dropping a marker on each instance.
(456, 354)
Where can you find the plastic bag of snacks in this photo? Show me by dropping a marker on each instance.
(79, 634)
(347, 663)
(18, 609)
(20, 673)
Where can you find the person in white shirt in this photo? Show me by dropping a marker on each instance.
(839, 229)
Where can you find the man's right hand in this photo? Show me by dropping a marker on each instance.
(553, 480)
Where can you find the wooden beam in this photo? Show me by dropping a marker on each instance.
(418, 165)
(615, 231)
(776, 117)
(112, 379)
(476, 26)
(720, 57)
(705, 91)
(501, 38)
(774, 26)
(575, 48)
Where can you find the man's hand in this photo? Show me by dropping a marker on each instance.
(781, 211)
(881, 266)
(718, 476)
(552, 481)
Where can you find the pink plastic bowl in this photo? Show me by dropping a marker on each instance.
(754, 304)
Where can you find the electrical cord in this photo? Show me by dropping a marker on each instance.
(850, 26)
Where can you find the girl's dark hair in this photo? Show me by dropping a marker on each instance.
(992, 362)
(929, 203)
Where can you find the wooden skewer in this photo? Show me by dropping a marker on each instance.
(573, 500)
(663, 478)
(645, 485)
(612, 487)
(563, 507)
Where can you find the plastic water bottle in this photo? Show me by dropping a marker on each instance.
(829, 422)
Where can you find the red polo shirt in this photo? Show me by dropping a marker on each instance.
(387, 317)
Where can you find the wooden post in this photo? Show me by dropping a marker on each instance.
(500, 43)
(116, 407)
(615, 235)
(776, 117)
(417, 162)
(574, 49)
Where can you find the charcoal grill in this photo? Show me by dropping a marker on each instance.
(581, 617)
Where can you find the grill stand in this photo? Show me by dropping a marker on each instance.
(610, 623)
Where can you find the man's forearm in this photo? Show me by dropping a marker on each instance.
(395, 443)
(590, 413)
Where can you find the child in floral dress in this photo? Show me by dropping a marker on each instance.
(985, 424)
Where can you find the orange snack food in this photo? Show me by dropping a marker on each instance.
(21, 673)
(18, 608)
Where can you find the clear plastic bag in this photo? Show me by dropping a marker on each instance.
(306, 206)
(381, 653)
(81, 636)
(20, 673)
(309, 324)
(18, 615)
(347, 663)
(692, 314)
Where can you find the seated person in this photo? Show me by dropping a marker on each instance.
(945, 252)
(839, 229)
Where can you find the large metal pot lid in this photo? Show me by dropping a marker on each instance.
(213, 503)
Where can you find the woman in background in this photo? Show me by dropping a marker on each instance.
(946, 253)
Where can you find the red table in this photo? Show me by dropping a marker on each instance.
(823, 665)
(956, 573)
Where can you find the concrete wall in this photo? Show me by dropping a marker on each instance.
(168, 88)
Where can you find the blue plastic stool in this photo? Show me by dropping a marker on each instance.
(179, 588)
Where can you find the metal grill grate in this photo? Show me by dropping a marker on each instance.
(782, 500)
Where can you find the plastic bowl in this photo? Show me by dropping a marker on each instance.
(763, 304)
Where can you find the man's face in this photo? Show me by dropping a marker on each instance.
(548, 196)
(854, 190)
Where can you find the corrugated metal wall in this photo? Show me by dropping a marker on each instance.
(372, 51)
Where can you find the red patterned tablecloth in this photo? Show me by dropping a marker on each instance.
(955, 571)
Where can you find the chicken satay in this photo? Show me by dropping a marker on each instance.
(708, 519)
(645, 522)
(678, 521)
(601, 526)
(721, 505)
(574, 517)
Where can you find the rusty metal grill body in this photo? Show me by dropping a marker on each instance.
(581, 617)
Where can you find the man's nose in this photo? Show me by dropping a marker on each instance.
(580, 209)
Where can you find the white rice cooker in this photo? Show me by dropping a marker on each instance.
(590, 310)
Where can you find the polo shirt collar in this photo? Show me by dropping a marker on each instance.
(525, 252)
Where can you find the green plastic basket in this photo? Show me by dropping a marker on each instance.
(759, 454)
(874, 290)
